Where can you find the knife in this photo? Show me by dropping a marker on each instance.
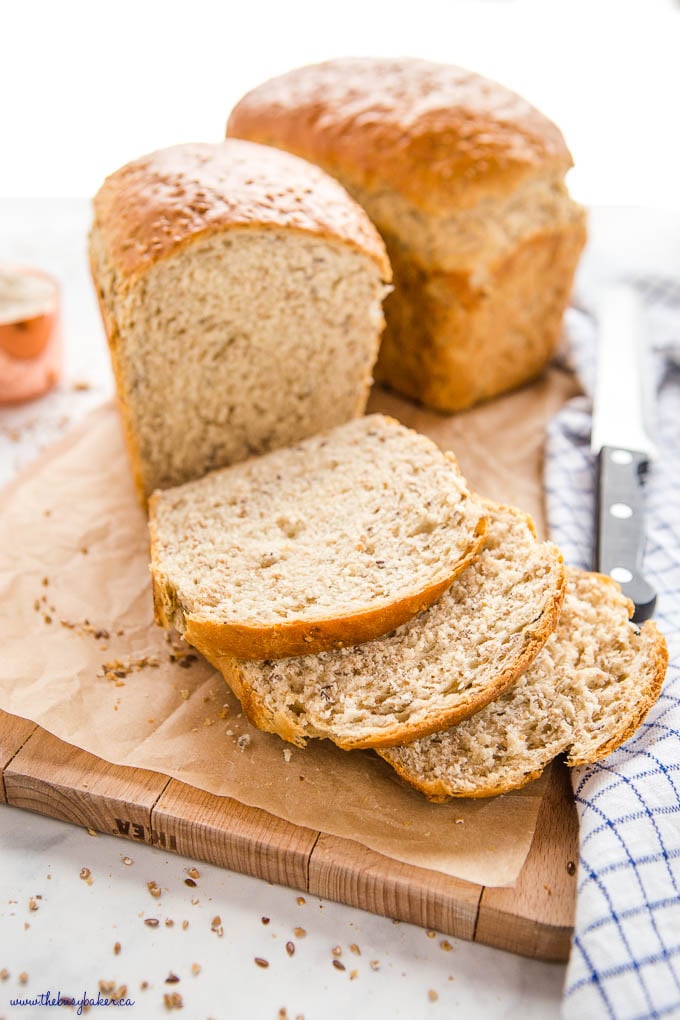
(621, 441)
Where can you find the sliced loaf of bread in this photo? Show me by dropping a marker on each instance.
(240, 288)
(336, 540)
(586, 693)
(440, 667)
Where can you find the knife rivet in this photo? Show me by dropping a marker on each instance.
(621, 574)
(621, 456)
(621, 510)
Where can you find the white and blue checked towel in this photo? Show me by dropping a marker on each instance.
(625, 961)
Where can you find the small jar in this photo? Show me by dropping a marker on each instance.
(30, 333)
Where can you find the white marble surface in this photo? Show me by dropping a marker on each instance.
(67, 944)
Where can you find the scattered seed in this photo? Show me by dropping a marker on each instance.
(290, 948)
(153, 889)
(171, 979)
(261, 962)
(375, 964)
(169, 923)
(432, 995)
(185, 925)
(144, 985)
(571, 868)
(116, 948)
(446, 945)
(4, 974)
(23, 977)
(265, 920)
(32, 904)
(301, 901)
(127, 861)
(195, 969)
(173, 1000)
(430, 934)
(299, 932)
(190, 882)
(355, 949)
(337, 950)
(339, 965)
(395, 920)
(353, 975)
(151, 922)
(109, 988)
(193, 873)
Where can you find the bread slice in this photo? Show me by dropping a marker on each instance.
(434, 670)
(241, 292)
(334, 541)
(586, 693)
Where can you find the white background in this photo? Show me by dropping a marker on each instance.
(84, 87)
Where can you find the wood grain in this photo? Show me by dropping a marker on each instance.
(234, 836)
(350, 873)
(54, 778)
(14, 732)
(535, 918)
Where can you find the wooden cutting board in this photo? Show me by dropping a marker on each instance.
(534, 918)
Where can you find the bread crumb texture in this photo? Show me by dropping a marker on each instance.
(344, 526)
(439, 667)
(587, 691)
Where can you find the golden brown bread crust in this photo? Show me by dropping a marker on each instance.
(427, 309)
(153, 206)
(221, 641)
(440, 136)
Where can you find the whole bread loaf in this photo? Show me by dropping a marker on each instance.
(588, 691)
(335, 540)
(440, 667)
(241, 291)
(465, 181)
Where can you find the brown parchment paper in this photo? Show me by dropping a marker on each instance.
(81, 656)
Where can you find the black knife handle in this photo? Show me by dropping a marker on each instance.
(620, 525)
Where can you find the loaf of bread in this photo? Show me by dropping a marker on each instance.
(587, 692)
(438, 668)
(335, 540)
(465, 181)
(241, 291)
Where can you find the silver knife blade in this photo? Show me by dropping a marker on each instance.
(621, 406)
(623, 447)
